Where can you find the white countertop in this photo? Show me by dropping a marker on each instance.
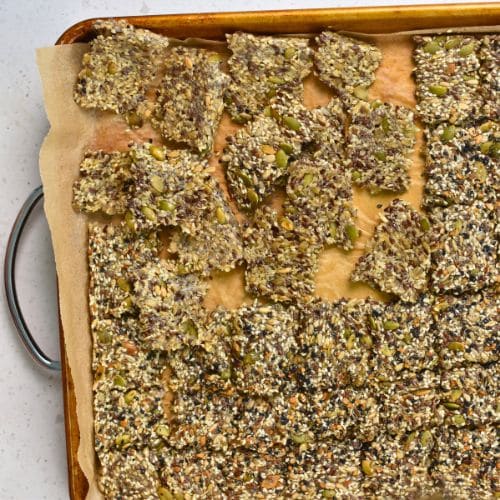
(32, 439)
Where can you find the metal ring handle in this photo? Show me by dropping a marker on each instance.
(10, 283)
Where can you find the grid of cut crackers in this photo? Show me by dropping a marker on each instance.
(292, 396)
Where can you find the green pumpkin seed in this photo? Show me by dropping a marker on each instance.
(426, 438)
(130, 396)
(289, 53)
(308, 179)
(356, 175)
(454, 395)
(451, 43)
(130, 221)
(166, 206)
(157, 152)
(385, 125)
(149, 213)
(448, 133)
(123, 284)
(281, 159)
(276, 80)
(467, 50)
(458, 420)
(301, 438)
(292, 123)
(122, 440)
(220, 215)
(425, 224)
(367, 468)
(157, 184)
(451, 406)
(328, 494)
(267, 111)
(438, 90)
(287, 148)
(431, 47)
(485, 147)
(380, 155)
(164, 494)
(252, 196)
(119, 381)
(352, 233)
(361, 93)
(104, 337)
(366, 340)
(391, 325)
(456, 346)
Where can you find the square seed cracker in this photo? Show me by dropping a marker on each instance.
(466, 329)
(170, 306)
(447, 77)
(464, 248)
(114, 253)
(397, 259)
(470, 395)
(190, 98)
(319, 198)
(256, 162)
(259, 65)
(346, 64)
(403, 340)
(465, 463)
(119, 68)
(381, 138)
(281, 259)
(457, 169)
(104, 182)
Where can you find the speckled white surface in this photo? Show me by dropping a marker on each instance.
(32, 443)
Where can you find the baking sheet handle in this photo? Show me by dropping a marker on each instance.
(10, 283)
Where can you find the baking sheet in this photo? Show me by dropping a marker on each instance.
(74, 130)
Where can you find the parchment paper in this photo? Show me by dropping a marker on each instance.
(74, 130)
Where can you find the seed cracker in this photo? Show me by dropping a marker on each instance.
(465, 463)
(114, 253)
(470, 395)
(319, 199)
(397, 467)
(346, 64)
(170, 306)
(327, 470)
(190, 98)
(215, 244)
(464, 248)
(130, 475)
(104, 182)
(120, 67)
(460, 168)
(258, 66)
(410, 403)
(467, 329)
(281, 259)
(334, 344)
(381, 137)
(397, 259)
(256, 161)
(403, 340)
(489, 72)
(171, 188)
(447, 76)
